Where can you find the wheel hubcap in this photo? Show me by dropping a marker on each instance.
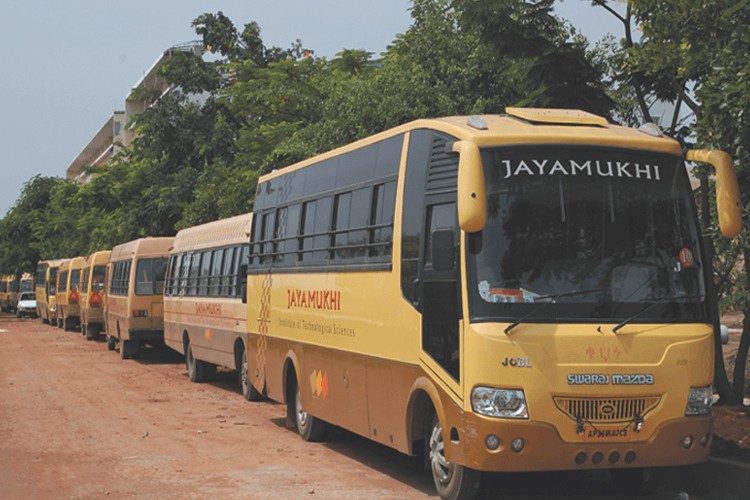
(442, 470)
(301, 414)
(245, 381)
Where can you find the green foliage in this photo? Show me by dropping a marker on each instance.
(252, 108)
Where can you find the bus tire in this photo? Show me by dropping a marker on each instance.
(452, 481)
(198, 370)
(249, 392)
(92, 332)
(129, 349)
(628, 481)
(67, 324)
(111, 343)
(310, 428)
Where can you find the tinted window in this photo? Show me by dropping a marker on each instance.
(97, 279)
(149, 277)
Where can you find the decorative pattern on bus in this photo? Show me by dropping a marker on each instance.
(263, 320)
(319, 384)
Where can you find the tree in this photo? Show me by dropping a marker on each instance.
(696, 53)
(20, 245)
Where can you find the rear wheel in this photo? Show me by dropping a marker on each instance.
(129, 349)
(68, 324)
(452, 481)
(249, 392)
(92, 332)
(198, 371)
(309, 427)
(111, 343)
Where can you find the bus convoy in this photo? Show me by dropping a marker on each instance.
(504, 293)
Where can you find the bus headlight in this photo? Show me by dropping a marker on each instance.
(504, 403)
(699, 401)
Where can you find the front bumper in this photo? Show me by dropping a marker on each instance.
(544, 449)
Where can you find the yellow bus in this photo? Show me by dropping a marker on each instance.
(134, 294)
(61, 282)
(68, 294)
(6, 286)
(517, 292)
(25, 284)
(205, 316)
(46, 289)
(92, 294)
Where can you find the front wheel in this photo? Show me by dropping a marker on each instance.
(452, 481)
(309, 427)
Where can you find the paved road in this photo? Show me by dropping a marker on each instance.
(76, 421)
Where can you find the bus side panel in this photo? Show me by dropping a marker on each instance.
(118, 319)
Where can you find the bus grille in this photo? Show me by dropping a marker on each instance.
(605, 410)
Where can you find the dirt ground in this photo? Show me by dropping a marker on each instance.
(76, 421)
(732, 424)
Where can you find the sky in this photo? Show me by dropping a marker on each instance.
(68, 65)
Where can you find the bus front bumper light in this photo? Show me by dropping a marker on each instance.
(699, 401)
(503, 403)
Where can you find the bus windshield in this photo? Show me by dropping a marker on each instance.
(586, 234)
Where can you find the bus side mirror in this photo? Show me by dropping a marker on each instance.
(443, 251)
(727, 191)
(472, 197)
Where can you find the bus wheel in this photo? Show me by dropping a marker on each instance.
(67, 324)
(198, 371)
(91, 332)
(628, 481)
(110, 343)
(452, 481)
(249, 392)
(129, 349)
(309, 427)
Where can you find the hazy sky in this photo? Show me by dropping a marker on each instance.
(67, 65)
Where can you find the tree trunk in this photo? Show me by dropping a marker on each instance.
(721, 380)
(738, 382)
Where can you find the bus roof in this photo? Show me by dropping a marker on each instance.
(214, 234)
(519, 126)
(98, 257)
(143, 246)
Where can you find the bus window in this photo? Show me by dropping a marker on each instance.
(97, 279)
(215, 280)
(150, 275)
(204, 273)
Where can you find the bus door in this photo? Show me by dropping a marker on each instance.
(438, 289)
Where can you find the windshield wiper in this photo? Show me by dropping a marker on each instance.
(551, 298)
(661, 300)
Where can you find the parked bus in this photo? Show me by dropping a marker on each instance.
(205, 316)
(135, 302)
(505, 293)
(61, 282)
(92, 294)
(68, 294)
(7, 283)
(26, 284)
(46, 289)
